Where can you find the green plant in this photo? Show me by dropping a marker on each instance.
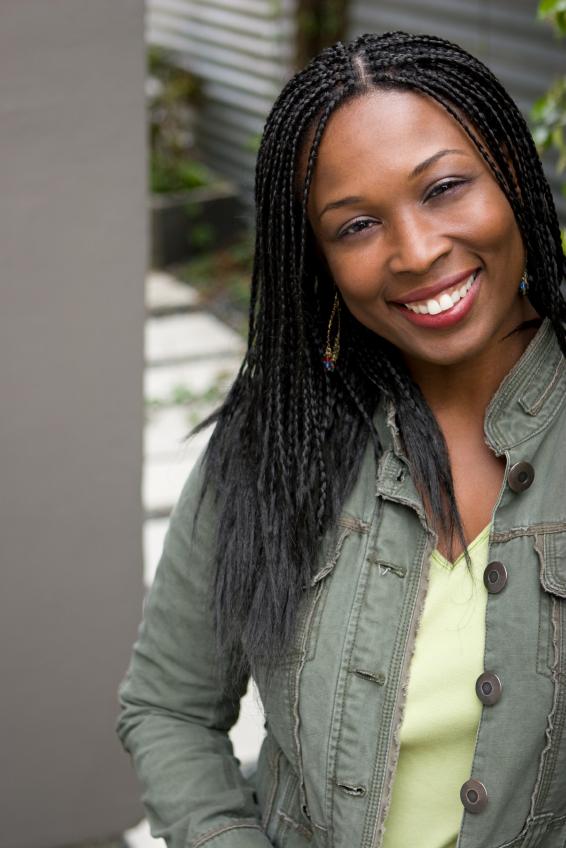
(173, 92)
(549, 112)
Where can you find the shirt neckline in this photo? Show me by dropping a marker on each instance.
(441, 560)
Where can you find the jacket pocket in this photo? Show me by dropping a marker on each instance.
(551, 651)
(303, 647)
(284, 822)
(550, 795)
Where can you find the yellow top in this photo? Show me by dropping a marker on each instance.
(442, 710)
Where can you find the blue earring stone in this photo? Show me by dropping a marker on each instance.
(523, 286)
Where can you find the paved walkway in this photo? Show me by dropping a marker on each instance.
(191, 359)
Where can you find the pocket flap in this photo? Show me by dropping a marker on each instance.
(552, 550)
(345, 526)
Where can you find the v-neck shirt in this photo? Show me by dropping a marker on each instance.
(442, 710)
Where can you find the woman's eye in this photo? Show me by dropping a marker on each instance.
(356, 227)
(444, 188)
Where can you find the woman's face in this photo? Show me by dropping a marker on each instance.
(417, 235)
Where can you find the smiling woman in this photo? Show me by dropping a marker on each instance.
(377, 530)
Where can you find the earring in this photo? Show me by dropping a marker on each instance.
(332, 348)
(524, 284)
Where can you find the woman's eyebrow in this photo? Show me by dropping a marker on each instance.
(417, 170)
(336, 204)
(432, 159)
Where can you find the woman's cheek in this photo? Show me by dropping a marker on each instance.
(356, 277)
(490, 220)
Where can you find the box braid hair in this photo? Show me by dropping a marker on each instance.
(290, 436)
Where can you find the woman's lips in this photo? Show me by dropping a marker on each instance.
(447, 317)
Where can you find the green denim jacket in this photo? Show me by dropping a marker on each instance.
(333, 712)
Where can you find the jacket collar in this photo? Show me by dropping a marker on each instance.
(530, 395)
(525, 403)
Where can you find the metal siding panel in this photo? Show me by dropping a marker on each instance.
(239, 119)
(257, 8)
(198, 33)
(224, 148)
(243, 51)
(233, 98)
(274, 28)
(208, 125)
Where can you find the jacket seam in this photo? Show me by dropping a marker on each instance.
(344, 679)
(295, 825)
(212, 834)
(378, 807)
(545, 423)
(536, 407)
(294, 684)
(271, 798)
(531, 530)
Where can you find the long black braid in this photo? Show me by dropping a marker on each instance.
(289, 438)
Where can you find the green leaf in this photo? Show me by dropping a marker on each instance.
(550, 7)
(538, 108)
(541, 137)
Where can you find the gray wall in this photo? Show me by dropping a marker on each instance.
(72, 241)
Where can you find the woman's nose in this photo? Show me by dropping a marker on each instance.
(416, 244)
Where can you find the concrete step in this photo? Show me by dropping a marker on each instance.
(193, 336)
(165, 294)
(166, 383)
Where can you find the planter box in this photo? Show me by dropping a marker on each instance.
(185, 224)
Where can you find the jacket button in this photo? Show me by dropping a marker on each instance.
(521, 475)
(473, 796)
(488, 688)
(495, 577)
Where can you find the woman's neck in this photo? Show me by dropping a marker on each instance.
(466, 388)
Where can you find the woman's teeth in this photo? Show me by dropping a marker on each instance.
(444, 301)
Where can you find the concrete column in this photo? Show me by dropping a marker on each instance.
(73, 248)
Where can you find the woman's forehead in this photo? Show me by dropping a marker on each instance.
(391, 130)
(382, 132)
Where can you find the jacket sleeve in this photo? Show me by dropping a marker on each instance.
(174, 719)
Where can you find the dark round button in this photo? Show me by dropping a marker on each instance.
(488, 688)
(495, 577)
(521, 475)
(473, 796)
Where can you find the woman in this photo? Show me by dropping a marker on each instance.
(381, 509)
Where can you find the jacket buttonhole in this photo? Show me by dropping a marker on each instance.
(370, 675)
(385, 567)
(398, 570)
(354, 789)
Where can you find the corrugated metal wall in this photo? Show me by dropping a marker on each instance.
(504, 34)
(243, 51)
